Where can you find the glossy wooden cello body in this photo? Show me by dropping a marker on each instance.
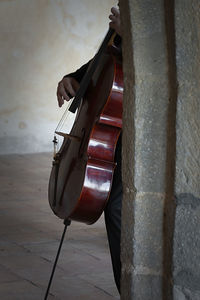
(82, 172)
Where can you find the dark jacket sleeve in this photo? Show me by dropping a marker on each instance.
(79, 74)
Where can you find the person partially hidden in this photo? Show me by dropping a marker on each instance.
(66, 89)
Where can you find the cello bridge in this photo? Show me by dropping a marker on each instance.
(66, 135)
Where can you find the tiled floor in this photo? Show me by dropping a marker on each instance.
(30, 234)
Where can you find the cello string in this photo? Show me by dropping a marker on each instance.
(60, 126)
(64, 116)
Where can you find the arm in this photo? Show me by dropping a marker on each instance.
(79, 74)
(69, 84)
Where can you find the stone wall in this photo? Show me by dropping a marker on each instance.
(187, 180)
(161, 141)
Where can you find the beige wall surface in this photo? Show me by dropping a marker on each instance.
(40, 41)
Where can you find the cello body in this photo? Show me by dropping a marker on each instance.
(82, 172)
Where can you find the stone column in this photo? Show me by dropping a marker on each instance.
(187, 180)
(148, 149)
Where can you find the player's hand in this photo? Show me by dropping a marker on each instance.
(66, 89)
(115, 20)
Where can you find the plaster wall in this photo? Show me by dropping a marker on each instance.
(40, 41)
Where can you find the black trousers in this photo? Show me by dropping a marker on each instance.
(112, 215)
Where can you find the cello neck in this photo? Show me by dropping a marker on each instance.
(86, 79)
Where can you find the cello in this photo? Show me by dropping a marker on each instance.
(82, 171)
